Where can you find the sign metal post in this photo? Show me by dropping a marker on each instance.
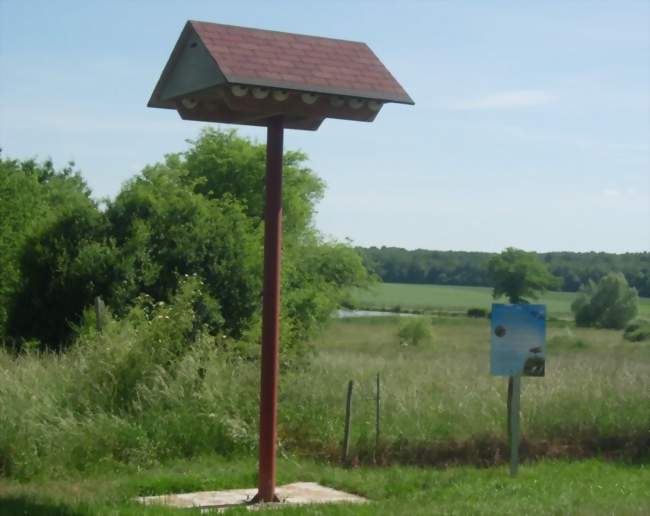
(514, 392)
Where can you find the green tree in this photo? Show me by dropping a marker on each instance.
(38, 202)
(518, 275)
(198, 213)
(610, 303)
(21, 204)
(317, 276)
(201, 212)
(221, 163)
(165, 231)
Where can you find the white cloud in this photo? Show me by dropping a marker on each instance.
(506, 100)
(611, 192)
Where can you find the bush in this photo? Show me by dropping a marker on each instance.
(567, 342)
(477, 312)
(152, 386)
(638, 330)
(414, 331)
(610, 303)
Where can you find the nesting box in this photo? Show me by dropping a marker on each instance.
(228, 74)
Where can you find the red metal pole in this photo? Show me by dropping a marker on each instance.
(271, 311)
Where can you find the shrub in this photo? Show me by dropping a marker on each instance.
(414, 331)
(610, 303)
(477, 312)
(567, 342)
(637, 330)
(151, 386)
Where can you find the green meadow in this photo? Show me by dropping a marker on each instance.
(67, 450)
(446, 298)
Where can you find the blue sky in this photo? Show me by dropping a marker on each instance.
(531, 126)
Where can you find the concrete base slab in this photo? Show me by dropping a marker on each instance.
(299, 493)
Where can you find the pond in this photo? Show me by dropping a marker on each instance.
(343, 314)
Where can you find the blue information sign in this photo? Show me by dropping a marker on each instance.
(518, 340)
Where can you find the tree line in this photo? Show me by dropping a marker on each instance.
(573, 270)
(609, 303)
(195, 216)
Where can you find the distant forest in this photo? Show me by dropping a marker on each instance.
(397, 265)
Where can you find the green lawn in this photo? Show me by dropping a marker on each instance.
(431, 298)
(549, 487)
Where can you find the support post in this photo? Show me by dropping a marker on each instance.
(271, 311)
(514, 394)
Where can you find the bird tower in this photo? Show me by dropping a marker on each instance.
(237, 75)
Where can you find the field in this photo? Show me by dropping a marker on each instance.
(442, 447)
(441, 405)
(446, 298)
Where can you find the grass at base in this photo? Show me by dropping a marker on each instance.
(547, 487)
(431, 298)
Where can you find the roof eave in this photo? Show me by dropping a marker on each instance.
(324, 90)
(163, 104)
(155, 101)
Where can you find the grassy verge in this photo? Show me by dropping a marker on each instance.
(446, 298)
(132, 411)
(548, 487)
(440, 406)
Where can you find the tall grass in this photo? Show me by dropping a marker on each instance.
(148, 388)
(441, 404)
(153, 387)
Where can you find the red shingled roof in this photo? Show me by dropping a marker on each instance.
(292, 61)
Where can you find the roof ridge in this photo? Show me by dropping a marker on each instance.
(279, 32)
(262, 58)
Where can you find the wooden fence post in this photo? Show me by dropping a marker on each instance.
(346, 429)
(377, 417)
(99, 313)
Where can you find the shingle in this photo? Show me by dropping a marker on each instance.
(291, 60)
